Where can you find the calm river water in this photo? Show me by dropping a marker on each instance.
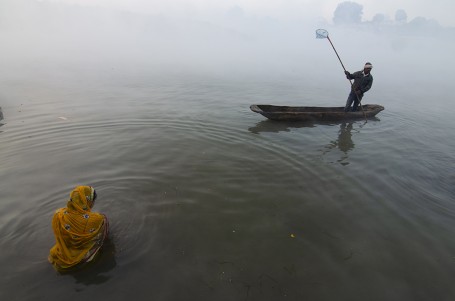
(210, 201)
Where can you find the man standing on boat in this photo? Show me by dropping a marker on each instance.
(362, 83)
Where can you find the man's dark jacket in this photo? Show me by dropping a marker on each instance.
(361, 82)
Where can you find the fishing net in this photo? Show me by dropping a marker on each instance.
(322, 34)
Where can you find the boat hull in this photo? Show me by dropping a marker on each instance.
(315, 113)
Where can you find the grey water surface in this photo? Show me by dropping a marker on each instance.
(210, 201)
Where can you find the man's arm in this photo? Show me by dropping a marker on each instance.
(348, 75)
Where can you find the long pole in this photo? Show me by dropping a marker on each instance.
(336, 53)
(364, 115)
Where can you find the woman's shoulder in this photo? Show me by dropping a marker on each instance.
(60, 211)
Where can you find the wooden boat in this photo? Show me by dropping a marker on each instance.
(314, 113)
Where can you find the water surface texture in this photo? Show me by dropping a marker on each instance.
(210, 201)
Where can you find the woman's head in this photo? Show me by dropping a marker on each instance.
(82, 198)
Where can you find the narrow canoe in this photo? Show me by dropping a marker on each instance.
(314, 113)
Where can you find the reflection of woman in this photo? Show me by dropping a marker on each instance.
(79, 233)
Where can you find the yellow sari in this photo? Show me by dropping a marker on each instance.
(79, 233)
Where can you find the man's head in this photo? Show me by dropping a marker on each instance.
(367, 68)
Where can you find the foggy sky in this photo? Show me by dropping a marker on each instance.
(60, 37)
(440, 10)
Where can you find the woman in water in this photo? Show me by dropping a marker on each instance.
(79, 232)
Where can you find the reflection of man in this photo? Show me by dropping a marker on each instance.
(362, 83)
(345, 143)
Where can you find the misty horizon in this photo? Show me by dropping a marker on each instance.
(59, 37)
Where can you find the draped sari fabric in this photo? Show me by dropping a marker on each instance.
(79, 232)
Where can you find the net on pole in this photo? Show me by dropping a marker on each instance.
(322, 34)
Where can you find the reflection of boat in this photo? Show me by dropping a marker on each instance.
(314, 113)
(272, 126)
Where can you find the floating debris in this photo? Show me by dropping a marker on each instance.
(63, 118)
